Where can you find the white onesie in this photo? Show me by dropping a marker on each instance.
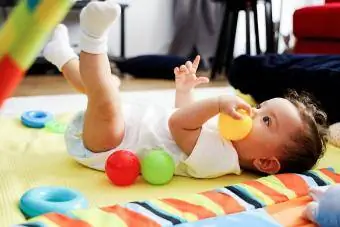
(146, 127)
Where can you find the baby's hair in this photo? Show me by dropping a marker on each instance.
(307, 146)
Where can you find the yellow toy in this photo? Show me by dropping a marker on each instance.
(232, 129)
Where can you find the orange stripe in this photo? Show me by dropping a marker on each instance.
(273, 194)
(331, 174)
(294, 183)
(186, 207)
(293, 209)
(131, 218)
(64, 221)
(228, 203)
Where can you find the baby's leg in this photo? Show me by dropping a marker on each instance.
(59, 52)
(104, 122)
(71, 72)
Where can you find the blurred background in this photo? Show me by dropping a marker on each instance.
(153, 36)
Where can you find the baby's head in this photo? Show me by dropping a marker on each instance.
(288, 135)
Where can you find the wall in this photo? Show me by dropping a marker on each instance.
(148, 30)
(149, 27)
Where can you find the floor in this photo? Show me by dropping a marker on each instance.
(55, 84)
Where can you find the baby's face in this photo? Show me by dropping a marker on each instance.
(274, 122)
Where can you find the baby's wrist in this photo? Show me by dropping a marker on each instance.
(184, 90)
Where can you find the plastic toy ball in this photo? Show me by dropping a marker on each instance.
(232, 129)
(122, 168)
(158, 167)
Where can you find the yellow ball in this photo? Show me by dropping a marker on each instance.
(232, 129)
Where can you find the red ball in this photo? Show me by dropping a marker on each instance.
(122, 167)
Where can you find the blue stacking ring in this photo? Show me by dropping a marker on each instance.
(42, 200)
(35, 119)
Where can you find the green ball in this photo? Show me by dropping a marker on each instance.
(158, 167)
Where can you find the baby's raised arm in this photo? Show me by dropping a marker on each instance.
(186, 123)
(186, 80)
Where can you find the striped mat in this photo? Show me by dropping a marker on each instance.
(247, 196)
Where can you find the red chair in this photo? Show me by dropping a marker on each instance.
(317, 29)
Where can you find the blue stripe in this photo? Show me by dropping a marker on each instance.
(309, 180)
(245, 195)
(255, 218)
(161, 213)
(182, 220)
(316, 178)
(147, 213)
(247, 206)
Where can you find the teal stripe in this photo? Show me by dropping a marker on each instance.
(33, 4)
(321, 176)
(249, 194)
(145, 212)
(165, 212)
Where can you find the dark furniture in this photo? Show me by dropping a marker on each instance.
(225, 47)
(269, 76)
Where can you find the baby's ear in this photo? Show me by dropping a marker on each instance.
(267, 165)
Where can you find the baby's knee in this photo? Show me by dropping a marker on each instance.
(102, 110)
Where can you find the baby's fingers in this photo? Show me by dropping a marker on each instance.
(196, 63)
(202, 80)
(188, 64)
(234, 114)
(176, 71)
(184, 69)
(245, 106)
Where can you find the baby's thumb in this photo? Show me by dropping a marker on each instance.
(202, 80)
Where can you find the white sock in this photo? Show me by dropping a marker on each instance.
(58, 51)
(95, 21)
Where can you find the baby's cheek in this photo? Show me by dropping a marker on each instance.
(255, 130)
(260, 141)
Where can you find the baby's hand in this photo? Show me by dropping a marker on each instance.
(185, 76)
(229, 104)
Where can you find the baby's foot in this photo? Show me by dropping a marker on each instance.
(58, 50)
(95, 21)
(97, 17)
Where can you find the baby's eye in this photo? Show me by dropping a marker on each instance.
(266, 120)
(258, 106)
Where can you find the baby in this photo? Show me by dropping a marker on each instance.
(288, 135)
